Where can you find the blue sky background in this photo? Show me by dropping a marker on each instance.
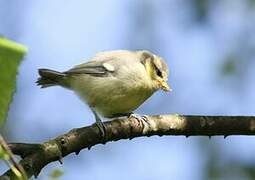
(208, 47)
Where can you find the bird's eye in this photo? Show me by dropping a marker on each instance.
(158, 72)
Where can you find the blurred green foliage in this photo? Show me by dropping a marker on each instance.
(201, 9)
(230, 65)
(252, 2)
(11, 55)
(56, 173)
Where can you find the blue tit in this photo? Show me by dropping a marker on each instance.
(112, 83)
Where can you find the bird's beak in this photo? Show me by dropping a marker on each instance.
(165, 86)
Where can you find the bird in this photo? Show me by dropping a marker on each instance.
(112, 83)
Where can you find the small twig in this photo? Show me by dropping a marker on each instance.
(15, 167)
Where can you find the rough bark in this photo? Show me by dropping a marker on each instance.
(36, 156)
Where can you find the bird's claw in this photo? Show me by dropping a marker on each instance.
(101, 128)
(138, 116)
(141, 118)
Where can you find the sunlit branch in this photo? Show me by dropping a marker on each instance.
(36, 156)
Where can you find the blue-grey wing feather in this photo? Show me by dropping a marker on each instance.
(93, 68)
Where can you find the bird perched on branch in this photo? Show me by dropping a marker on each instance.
(113, 83)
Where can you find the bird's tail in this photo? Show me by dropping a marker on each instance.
(49, 78)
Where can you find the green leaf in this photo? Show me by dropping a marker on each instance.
(11, 54)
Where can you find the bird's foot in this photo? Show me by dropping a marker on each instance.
(142, 118)
(142, 121)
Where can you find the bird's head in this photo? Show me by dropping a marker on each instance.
(157, 70)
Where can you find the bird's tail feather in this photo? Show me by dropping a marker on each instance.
(49, 78)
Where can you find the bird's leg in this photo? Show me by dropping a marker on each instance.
(99, 123)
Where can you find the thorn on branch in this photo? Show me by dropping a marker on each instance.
(77, 152)
(36, 175)
(60, 146)
(60, 160)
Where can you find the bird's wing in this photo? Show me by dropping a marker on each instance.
(93, 68)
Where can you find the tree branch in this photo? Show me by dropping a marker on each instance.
(36, 156)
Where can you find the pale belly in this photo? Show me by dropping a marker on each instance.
(114, 98)
(117, 105)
